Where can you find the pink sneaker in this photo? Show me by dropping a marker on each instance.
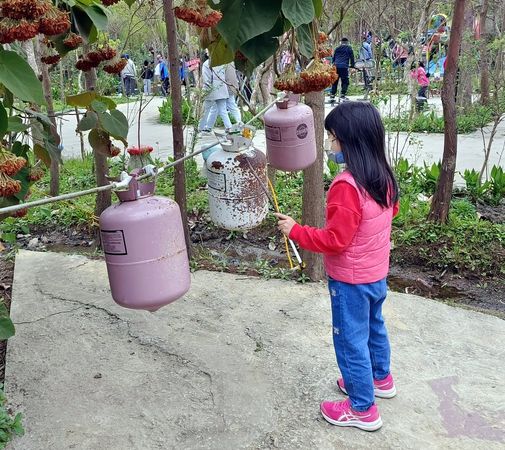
(382, 388)
(341, 414)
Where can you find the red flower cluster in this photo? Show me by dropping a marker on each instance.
(10, 164)
(20, 213)
(116, 66)
(72, 41)
(8, 186)
(110, 2)
(22, 30)
(114, 151)
(24, 9)
(324, 52)
(83, 64)
(54, 22)
(24, 19)
(202, 16)
(51, 59)
(35, 174)
(321, 37)
(142, 150)
(318, 77)
(97, 56)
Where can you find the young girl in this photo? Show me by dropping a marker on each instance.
(419, 74)
(361, 204)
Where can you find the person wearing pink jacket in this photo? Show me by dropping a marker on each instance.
(419, 74)
(355, 243)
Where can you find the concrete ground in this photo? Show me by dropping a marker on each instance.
(418, 147)
(239, 362)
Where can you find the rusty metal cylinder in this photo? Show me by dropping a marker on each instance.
(237, 199)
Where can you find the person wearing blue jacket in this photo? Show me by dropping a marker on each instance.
(343, 59)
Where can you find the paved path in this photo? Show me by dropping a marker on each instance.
(238, 363)
(418, 147)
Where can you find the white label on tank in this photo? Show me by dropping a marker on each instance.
(113, 242)
(273, 133)
(216, 180)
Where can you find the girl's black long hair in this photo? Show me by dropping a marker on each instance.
(360, 131)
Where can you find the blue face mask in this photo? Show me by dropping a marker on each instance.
(337, 157)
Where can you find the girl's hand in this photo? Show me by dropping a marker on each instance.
(285, 223)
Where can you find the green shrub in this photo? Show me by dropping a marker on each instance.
(430, 122)
(188, 114)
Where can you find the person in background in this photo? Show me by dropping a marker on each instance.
(216, 94)
(343, 59)
(157, 74)
(400, 55)
(231, 81)
(128, 76)
(366, 56)
(355, 243)
(147, 75)
(164, 76)
(419, 74)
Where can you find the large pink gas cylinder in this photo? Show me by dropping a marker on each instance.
(290, 135)
(145, 250)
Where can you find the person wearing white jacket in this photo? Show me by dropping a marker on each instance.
(231, 81)
(216, 94)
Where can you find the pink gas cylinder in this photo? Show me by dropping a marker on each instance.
(290, 135)
(145, 250)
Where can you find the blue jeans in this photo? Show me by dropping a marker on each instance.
(360, 338)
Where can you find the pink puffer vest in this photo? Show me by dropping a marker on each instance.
(366, 260)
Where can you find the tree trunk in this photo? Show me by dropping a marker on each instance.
(439, 211)
(313, 188)
(484, 55)
(177, 130)
(466, 69)
(54, 169)
(103, 199)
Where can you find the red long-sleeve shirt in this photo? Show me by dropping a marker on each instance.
(343, 216)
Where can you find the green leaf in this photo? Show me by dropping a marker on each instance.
(19, 78)
(42, 154)
(111, 104)
(305, 40)
(115, 123)
(89, 121)
(318, 7)
(20, 149)
(16, 125)
(220, 53)
(260, 48)
(6, 328)
(99, 140)
(4, 121)
(82, 100)
(10, 238)
(22, 176)
(83, 24)
(298, 12)
(96, 13)
(8, 98)
(129, 2)
(244, 19)
(42, 118)
(98, 106)
(53, 149)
